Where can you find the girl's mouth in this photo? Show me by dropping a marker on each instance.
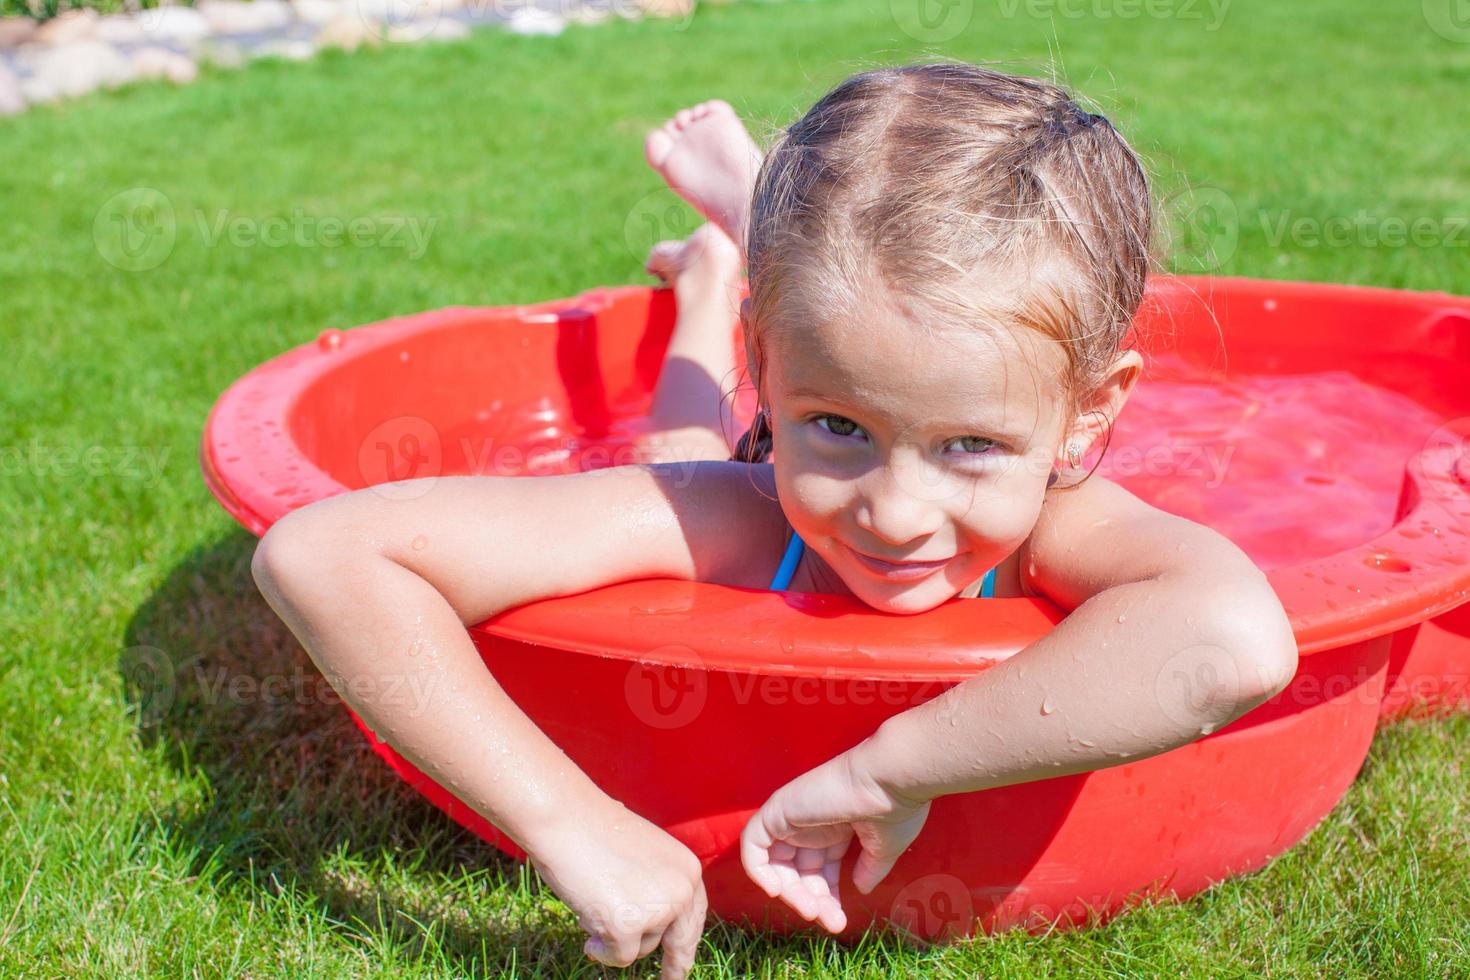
(898, 571)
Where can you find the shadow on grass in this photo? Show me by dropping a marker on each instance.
(299, 805)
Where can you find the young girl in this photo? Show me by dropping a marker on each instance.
(944, 262)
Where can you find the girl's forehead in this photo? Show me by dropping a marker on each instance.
(910, 374)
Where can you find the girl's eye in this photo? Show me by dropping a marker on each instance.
(837, 425)
(975, 445)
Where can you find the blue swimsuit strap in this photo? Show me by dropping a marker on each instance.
(792, 558)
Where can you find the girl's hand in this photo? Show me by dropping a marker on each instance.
(632, 886)
(793, 846)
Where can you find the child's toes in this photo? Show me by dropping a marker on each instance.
(665, 260)
(657, 146)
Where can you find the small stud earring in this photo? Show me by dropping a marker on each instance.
(1074, 455)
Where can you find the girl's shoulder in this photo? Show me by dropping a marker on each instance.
(1096, 535)
(733, 520)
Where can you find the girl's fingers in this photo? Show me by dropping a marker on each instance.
(681, 941)
(870, 870)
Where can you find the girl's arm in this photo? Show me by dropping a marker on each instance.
(1173, 633)
(379, 585)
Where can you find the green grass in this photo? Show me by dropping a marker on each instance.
(153, 825)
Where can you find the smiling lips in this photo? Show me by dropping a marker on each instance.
(899, 571)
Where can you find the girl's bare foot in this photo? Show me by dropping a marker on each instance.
(704, 270)
(709, 159)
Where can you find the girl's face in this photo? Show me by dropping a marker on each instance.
(911, 460)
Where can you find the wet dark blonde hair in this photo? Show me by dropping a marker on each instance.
(942, 182)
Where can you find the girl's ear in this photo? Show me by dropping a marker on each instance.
(1100, 409)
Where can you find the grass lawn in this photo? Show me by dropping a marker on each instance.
(164, 816)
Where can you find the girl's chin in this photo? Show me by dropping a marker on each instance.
(905, 600)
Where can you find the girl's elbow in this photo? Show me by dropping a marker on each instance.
(1263, 653)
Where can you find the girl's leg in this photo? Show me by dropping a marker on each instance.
(691, 416)
(709, 159)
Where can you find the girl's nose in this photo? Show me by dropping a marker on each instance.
(892, 506)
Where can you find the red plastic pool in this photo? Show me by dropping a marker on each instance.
(1324, 428)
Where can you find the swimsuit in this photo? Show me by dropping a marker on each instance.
(795, 547)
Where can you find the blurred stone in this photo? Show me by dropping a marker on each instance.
(318, 11)
(667, 8)
(533, 20)
(11, 99)
(17, 30)
(120, 29)
(75, 69)
(240, 17)
(221, 54)
(155, 62)
(588, 15)
(176, 25)
(68, 27)
(38, 91)
(350, 33)
(291, 50)
(428, 29)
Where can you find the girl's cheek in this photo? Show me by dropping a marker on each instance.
(816, 495)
